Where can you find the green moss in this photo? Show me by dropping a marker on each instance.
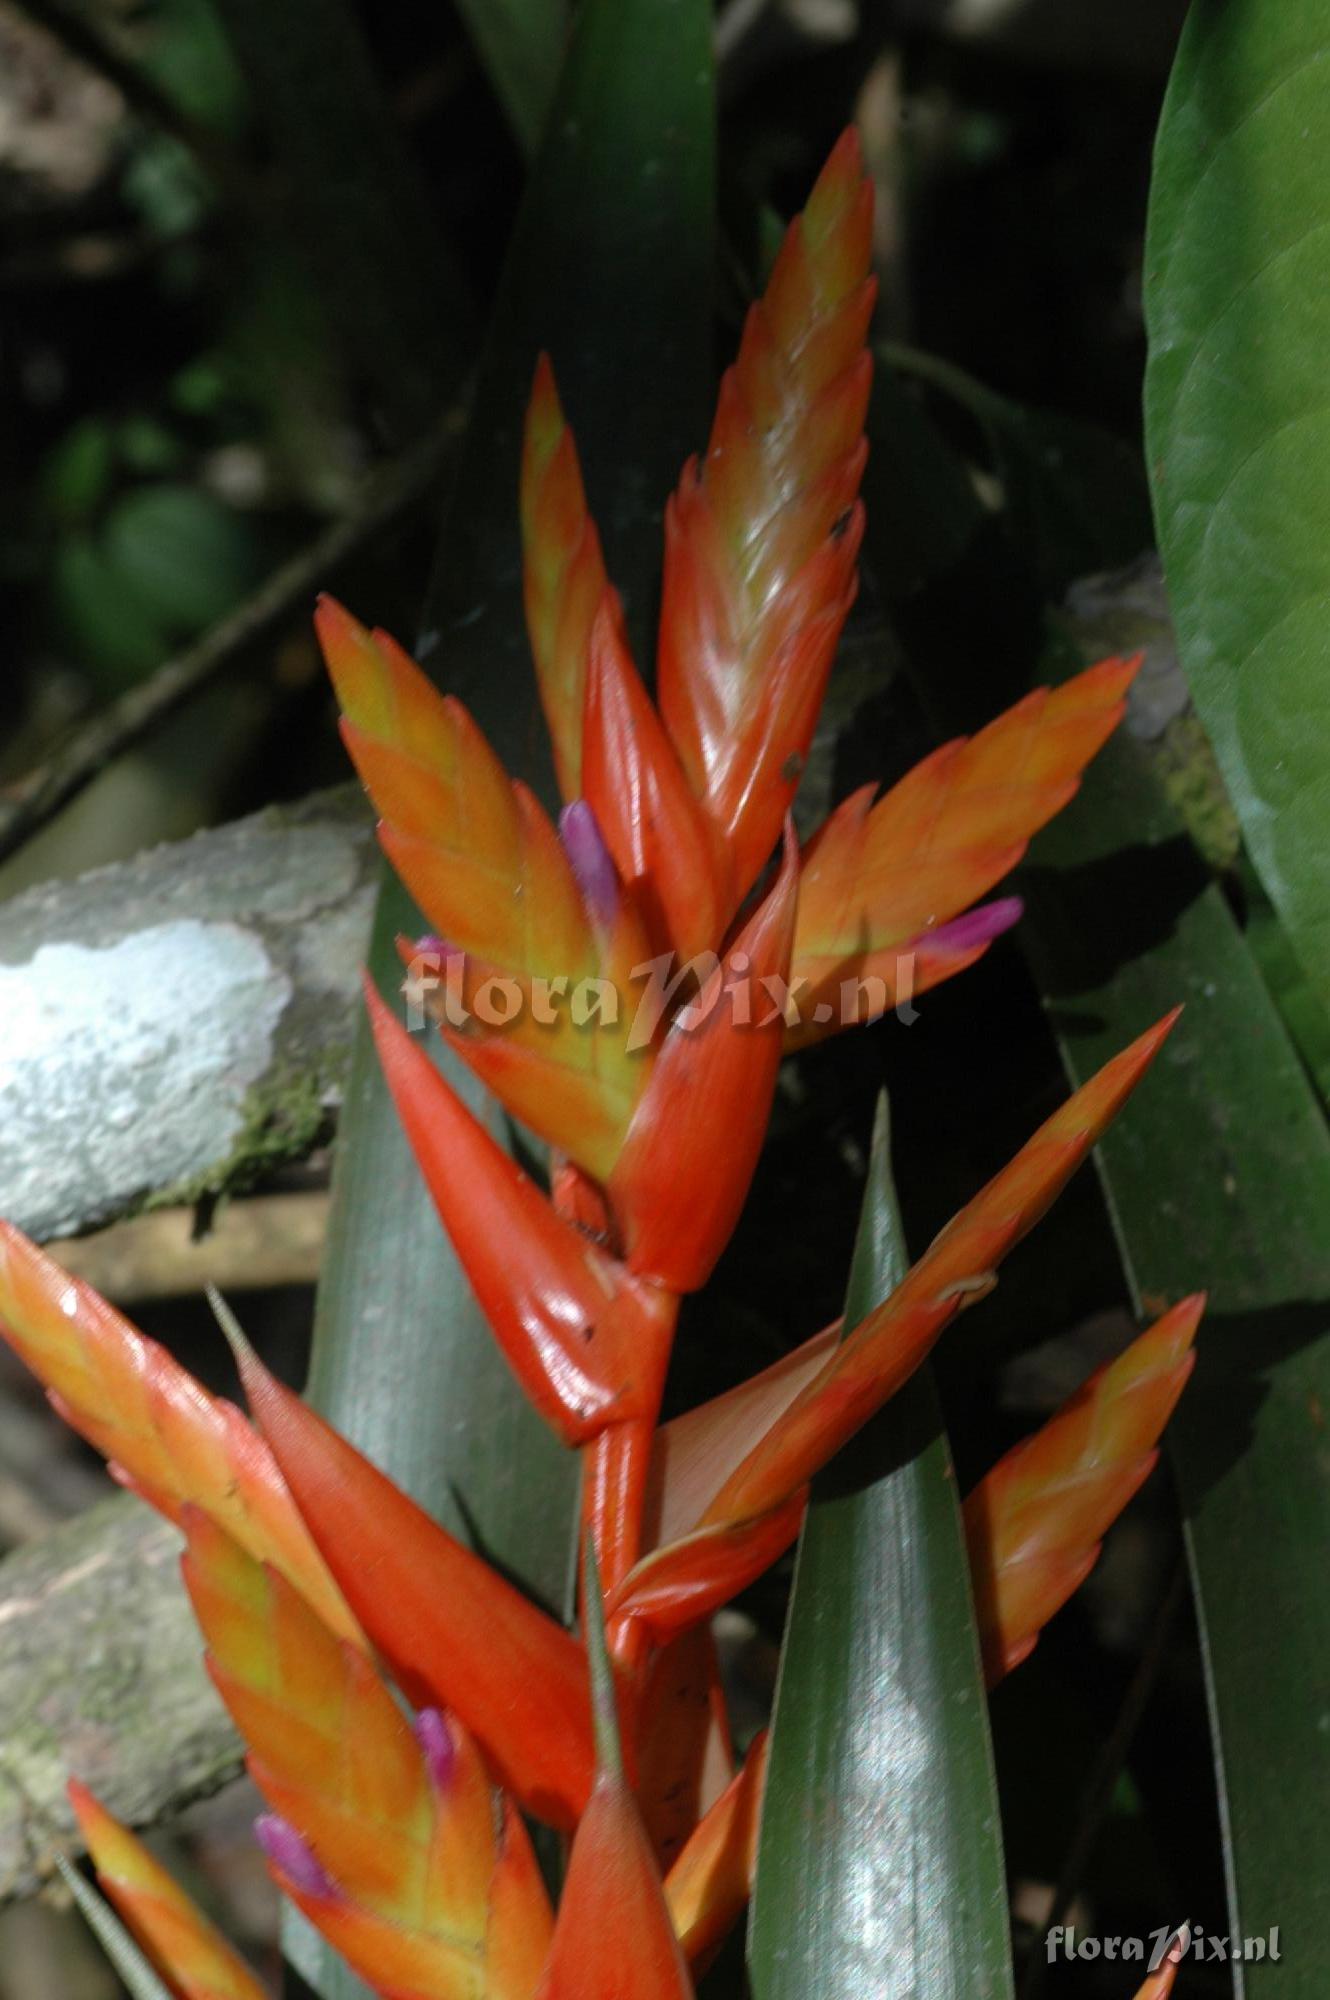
(285, 1116)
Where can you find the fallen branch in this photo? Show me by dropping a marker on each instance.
(177, 1025)
(251, 1246)
(101, 1675)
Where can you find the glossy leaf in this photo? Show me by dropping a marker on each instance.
(1238, 428)
(1221, 1179)
(879, 1741)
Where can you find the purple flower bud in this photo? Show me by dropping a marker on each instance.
(436, 1741)
(591, 861)
(292, 1853)
(976, 927)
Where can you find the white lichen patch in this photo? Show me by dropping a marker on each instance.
(126, 1068)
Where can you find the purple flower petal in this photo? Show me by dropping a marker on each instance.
(292, 1853)
(436, 1741)
(592, 865)
(976, 928)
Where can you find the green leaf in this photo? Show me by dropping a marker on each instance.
(521, 44)
(1218, 1178)
(610, 268)
(129, 1962)
(880, 1868)
(1238, 425)
(188, 558)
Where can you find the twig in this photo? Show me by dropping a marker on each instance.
(1097, 1796)
(39, 796)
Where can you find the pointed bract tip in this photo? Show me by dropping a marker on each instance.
(333, 622)
(292, 1854)
(544, 411)
(236, 1338)
(437, 1747)
(82, 1800)
(591, 862)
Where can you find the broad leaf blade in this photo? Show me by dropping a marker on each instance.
(610, 269)
(880, 1866)
(1220, 1180)
(1237, 268)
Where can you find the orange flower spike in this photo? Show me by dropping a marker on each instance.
(883, 1351)
(884, 885)
(712, 1879)
(187, 1949)
(1035, 1522)
(166, 1437)
(384, 1834)
(762, 536)
(663, 844)
(588, 1341)
(451, 1630)
(613, 1939)
(693, 1144)
(563, 572)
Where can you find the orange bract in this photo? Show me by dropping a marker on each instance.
(880, 879)
(1034, 1523)
(762, 536)
(190, 1952)
(165, 1435)
(403, 1828)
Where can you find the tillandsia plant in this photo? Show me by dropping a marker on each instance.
(404, 1707)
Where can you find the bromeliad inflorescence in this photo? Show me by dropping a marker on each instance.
(318, 1585)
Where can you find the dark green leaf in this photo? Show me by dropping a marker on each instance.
(1218, 1178)
(880, 1873)
(188, 558)
(1238, 425)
